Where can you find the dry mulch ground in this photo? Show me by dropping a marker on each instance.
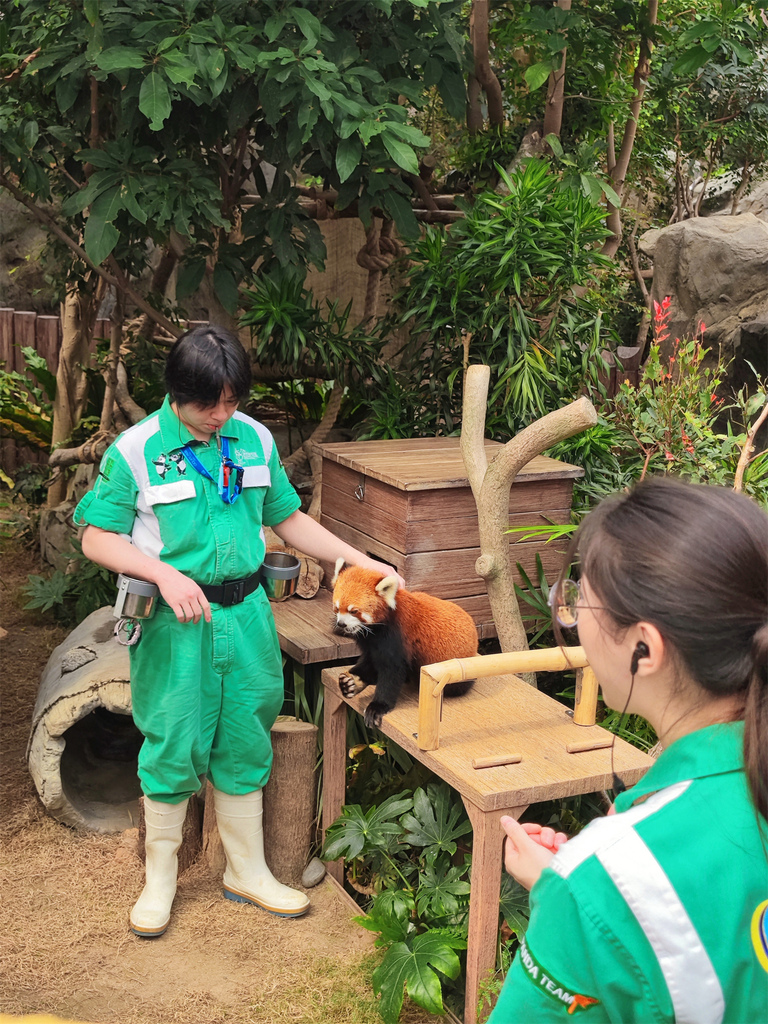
(65, 947)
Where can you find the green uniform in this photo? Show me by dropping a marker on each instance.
(204, 695)
(656, 913)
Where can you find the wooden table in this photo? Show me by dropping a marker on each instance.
(501, 714)
(305, 631)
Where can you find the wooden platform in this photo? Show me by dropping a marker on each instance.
(305, 631)
(501, 714)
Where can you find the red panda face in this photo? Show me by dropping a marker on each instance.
(357, 604)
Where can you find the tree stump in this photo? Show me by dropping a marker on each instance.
(289, 805)
(289, 799)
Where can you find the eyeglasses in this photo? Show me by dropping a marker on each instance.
(564, 601)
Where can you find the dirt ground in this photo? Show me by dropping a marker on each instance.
(65, 947)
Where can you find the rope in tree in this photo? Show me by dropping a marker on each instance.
(376, 256)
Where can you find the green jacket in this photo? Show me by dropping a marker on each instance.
(656, 913)
(148, 491)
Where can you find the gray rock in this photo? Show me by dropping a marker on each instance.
(715, 269)
(314, 873)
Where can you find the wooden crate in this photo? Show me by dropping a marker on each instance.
(409, 503)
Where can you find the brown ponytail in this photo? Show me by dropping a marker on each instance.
(756, 724)
(692, 560)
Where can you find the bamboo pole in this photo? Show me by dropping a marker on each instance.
(434, 679)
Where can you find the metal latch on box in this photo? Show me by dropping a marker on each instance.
(360, 489)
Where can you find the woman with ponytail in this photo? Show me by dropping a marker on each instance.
(659, 912)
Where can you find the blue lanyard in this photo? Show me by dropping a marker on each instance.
(230, 482)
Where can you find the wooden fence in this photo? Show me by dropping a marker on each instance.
(21, 328)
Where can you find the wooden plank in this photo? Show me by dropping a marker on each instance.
(441, 534)
(456, 503)
(305, 630)
(23, 336)
(48, 340)
(8, 454)
(497, 713)
(446, 574)
(414, 465)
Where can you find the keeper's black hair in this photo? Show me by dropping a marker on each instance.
(202, 361)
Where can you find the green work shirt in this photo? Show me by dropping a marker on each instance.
(149, 492)
(656, 913)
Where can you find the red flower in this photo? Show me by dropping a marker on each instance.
(669, 456)
(666, 301)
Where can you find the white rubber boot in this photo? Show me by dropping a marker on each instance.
(152, 912)
(247, 878)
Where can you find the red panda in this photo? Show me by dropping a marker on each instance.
(398, 631)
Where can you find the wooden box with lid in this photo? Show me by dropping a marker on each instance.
(409, 503)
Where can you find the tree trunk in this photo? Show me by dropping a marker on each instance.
(553, 111)
(78, 320)
(619, 171)
(491, 484)
(478, 31)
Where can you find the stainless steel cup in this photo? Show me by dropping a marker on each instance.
(279, 575)
(136, 599)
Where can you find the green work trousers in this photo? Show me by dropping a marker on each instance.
(205, 697)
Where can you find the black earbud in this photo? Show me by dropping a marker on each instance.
(641, 651)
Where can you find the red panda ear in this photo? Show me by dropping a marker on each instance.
(336, 570)
(388, 589)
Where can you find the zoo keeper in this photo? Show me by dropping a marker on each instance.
(180, 501)
(659, 911)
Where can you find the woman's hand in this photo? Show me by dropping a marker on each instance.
(527, 853)
(545, 836)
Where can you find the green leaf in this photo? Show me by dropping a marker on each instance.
(100, 239)
(401, 212)
(274, 26)
(100, 234)
(189, 278)
(91, 11)
(225, 286)
(308, 23)
(130, 195)
(515, 904)
(215, 63)
(691, 61)
(31, 134)
(410, 966)
(119, 58)
(436, 819)
(536, 75)
(555, 145)
(357, 832)
(348, 156)
(402, 154)
(154, 100)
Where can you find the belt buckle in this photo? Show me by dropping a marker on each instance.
(233, 593)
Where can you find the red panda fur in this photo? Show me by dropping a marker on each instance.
(432, 629)
(397, 632)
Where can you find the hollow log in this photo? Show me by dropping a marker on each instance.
(83, 746)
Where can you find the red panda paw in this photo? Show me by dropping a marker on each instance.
(350, 685)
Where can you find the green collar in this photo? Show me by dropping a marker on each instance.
(175, 434)
(711, 751)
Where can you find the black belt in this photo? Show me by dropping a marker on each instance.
(231, 591)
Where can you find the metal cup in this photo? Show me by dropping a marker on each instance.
(279, 575)
(136, 599)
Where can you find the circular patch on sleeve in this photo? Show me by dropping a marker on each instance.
(760, 933)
